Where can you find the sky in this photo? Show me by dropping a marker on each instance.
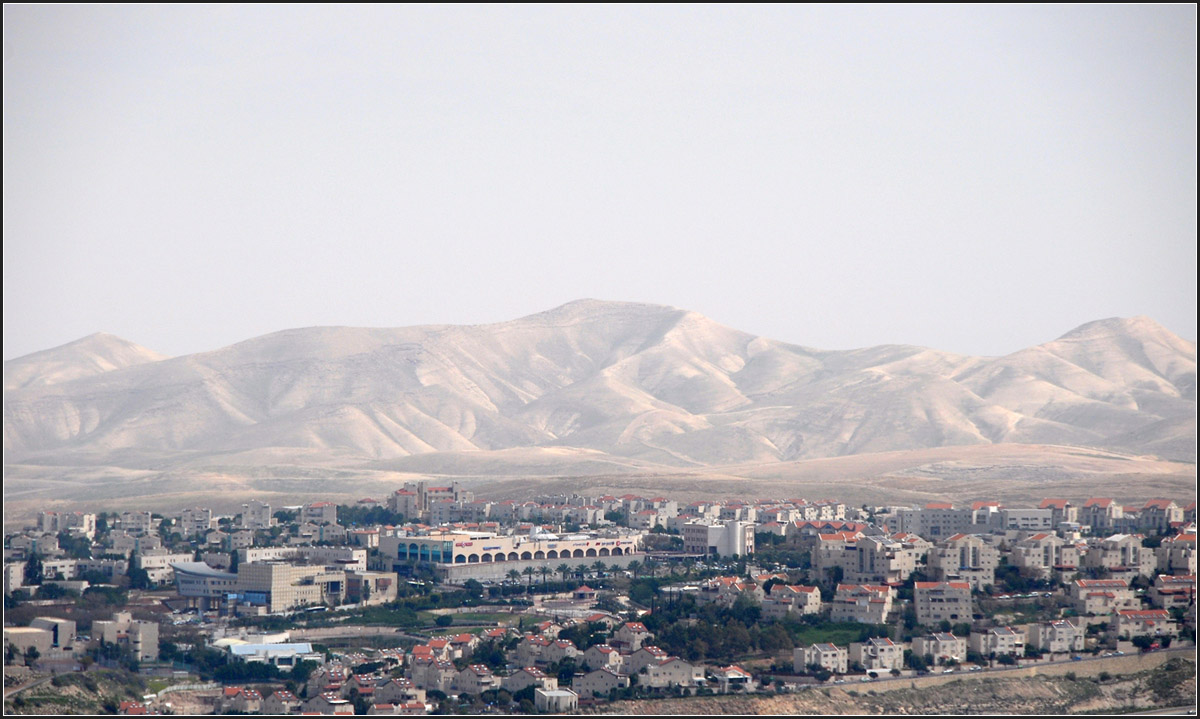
(973, 179)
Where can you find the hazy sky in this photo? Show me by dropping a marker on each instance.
(971, 179)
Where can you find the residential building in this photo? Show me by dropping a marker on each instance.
(555, 701)
(966, 558)
(1144, 622)
(941, 647)
(998, 640)
(319, 513)
(123, 629)
(1122, 555)
(528, 677)
(1177, 555)
(942, 601)
(862, 603)
(1102, 514)
(631, 636)
(1044, 553)
(1159, 515)
(877, 654)
(1056, 636)
(787, 599)
(830, 657)
(1101, 596)
(196, 522)
(1170, 591)
(672, 672)
(600, 682)
(727, 539)
(474, 679)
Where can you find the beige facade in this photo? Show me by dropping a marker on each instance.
(1043, 553)
(600, 681)
(942, 601)
(281, 587)
(672, 672)
(877, 654)
(861, 603)
(830, 657)
(1122, 554)
(965, 558)
(941, 647)
(998, 640)
(1101, 596)
(1055, 637)
(142, 637)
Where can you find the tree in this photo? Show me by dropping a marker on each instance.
(635, 566)
(599, 566)
(514, 575)
(1143, 642)
(444, 620)
(474, 588)
(563, 570)
(139, 578)
(33, 570)
(31, 655)
(529, 572)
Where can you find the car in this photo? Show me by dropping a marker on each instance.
(865, 679)
(975, 669)
(947, 671)
(1119, 653)
(839, 681)
(1077, 658)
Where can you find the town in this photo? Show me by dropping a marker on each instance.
(431, 601)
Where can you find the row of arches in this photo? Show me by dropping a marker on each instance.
(552, 554)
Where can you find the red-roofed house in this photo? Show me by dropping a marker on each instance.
(631, 636)
(1130, 623)
(865, 603)
(1101, 596)
(942, 601)
(1101, 513)
(528, 677)
(281, 702)
(1171, 591)
(731, 677)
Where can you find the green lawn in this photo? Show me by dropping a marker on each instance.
(485, 618)
(841, 633)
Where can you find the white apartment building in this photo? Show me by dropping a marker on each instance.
(256, 515)
(830, 657)
(726, 539)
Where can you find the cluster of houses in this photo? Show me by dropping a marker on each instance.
(405, 682)
(1129, 567)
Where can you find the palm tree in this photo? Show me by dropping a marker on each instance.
(529, 572)
(635, 567)
(599, 566)
(650, 566)
(514, 575)
(563, 569)
(545, 571)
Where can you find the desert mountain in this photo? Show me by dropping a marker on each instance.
(92, 355)
(603, 382)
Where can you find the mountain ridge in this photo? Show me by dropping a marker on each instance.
(635, 382)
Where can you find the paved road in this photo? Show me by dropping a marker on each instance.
(28, 685)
